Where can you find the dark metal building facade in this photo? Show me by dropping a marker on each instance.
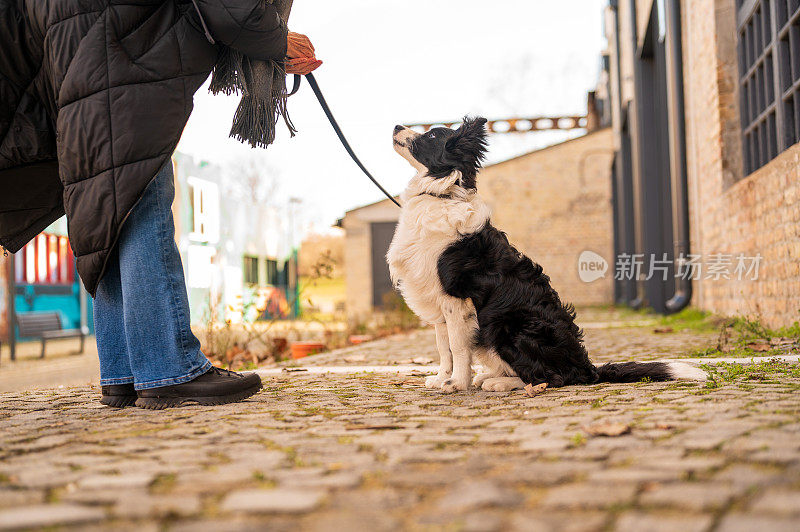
(651, 232)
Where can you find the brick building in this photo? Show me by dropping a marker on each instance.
(706, 118)
(368, 233)
(554, 203)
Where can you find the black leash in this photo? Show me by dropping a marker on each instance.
(318, 93)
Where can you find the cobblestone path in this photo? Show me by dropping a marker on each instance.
(380, 452)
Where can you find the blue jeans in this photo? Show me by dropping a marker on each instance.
(141, 310)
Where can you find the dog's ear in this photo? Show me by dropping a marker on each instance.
(468, 145)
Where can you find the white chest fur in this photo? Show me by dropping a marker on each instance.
(427, 226)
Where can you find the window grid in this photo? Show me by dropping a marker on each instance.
(769, 56)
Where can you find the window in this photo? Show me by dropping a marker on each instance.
(272, 272)
(204, 197)
(250, 268)
(769, 78)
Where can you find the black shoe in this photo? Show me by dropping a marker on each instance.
(118, 395)
(215, 387)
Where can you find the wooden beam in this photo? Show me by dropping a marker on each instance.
(518, 125)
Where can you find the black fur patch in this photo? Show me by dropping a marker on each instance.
(521, 316)
(443, 150)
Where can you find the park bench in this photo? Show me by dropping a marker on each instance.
(47, 326)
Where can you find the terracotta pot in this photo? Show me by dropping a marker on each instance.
(356, 339)
(303, 349)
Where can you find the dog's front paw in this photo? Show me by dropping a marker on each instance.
(454, 385)
(435, 381)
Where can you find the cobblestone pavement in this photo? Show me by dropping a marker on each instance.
(380, 452)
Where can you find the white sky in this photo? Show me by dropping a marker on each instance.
(412, 61)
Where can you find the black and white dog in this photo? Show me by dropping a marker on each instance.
(486, 299)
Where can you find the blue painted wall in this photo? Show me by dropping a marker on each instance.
(63, 299)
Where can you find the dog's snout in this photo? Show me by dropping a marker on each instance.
(398, 128)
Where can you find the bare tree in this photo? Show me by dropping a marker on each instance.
(254, 180)
(534, 85)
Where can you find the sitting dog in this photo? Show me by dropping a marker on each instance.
(485, 298)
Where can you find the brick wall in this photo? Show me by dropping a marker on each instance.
(731, 213)
(555, 203)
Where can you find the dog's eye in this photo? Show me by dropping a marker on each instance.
(431, 135)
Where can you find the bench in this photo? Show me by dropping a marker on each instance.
(47, 326)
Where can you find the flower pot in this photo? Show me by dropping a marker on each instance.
(356, 339)
(303, 349)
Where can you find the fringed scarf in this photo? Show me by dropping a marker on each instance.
(262, 85)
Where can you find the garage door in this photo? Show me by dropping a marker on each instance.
(382, 233)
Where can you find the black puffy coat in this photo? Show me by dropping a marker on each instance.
(94, 95)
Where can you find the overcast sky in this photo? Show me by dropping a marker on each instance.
(404, 62)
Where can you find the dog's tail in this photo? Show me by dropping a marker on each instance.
(655, 371)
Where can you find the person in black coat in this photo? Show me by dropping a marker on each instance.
(94, 96)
